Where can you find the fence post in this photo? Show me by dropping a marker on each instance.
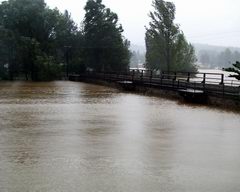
(175, 76)
(223, 90)
(222, 79)
(188, 78)
(161, 77)
(151, 74)
(204, 78)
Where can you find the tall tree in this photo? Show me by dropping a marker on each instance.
(167, 48)
(105, 47)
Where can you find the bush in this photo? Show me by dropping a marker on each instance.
(47, 68)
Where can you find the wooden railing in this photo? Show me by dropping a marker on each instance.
(213, 84)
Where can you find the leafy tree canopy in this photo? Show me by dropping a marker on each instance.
(105, 47)
(167, 48)
(34, 36)
(40, 43)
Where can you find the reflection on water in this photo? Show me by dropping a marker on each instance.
(66, 136)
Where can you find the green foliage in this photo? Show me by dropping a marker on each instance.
(235, 69)
(183, 55)
(105, 47)
(32, 35)
(36, 42)
(167, 48)
(47, 68)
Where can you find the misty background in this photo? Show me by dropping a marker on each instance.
(211, 26)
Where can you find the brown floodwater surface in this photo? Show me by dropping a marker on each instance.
(69, 136)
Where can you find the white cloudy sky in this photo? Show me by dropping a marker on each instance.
(214, 22)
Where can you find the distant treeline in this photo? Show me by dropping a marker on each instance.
(137, 58)
(214, 59)
(40, 43)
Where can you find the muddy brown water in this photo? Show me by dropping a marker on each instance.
(69, 136)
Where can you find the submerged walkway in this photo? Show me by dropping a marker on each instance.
(204, 84)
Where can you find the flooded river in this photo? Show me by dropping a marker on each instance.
(69, 137)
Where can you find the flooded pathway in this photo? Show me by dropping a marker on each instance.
(68, 136)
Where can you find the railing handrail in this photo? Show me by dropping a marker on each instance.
(147, 76)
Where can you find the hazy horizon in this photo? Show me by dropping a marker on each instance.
(206, 22)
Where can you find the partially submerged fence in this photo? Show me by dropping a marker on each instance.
(213, 84)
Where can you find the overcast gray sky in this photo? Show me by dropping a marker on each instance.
(215, 22)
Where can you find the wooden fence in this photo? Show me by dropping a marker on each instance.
(212, 84)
